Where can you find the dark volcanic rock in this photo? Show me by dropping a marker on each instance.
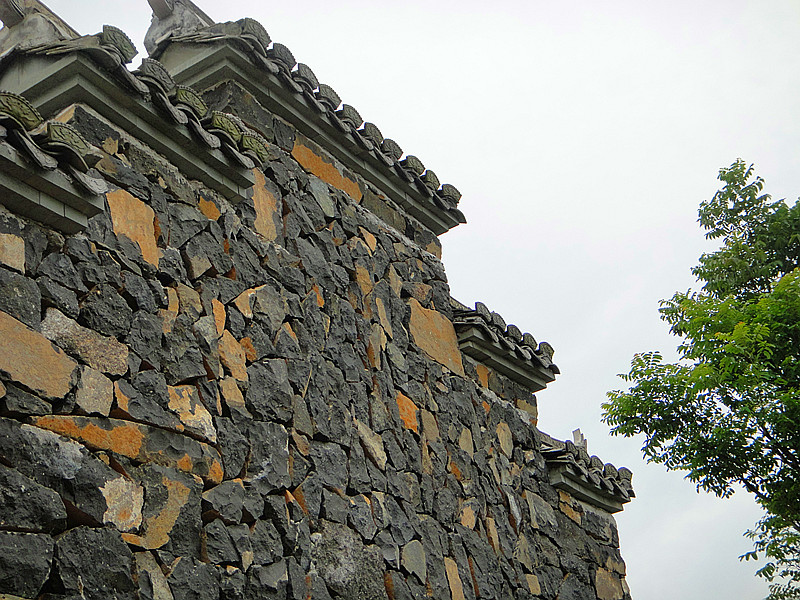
(25, 560)
(95, 564)
(350, 569)
(27, 506)
(20, 297)
(104, 310)
(53, 294)
(193, 580)
(269, 396)
(60, 269)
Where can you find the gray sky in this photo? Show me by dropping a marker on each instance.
(583, 136)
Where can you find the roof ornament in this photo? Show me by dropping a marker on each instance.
(29, 23)
(11, 12)
(580, 440)
(110, 48)
(173, 18)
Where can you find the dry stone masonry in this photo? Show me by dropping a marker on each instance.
(230, 364)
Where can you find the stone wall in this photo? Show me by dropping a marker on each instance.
(263, 397)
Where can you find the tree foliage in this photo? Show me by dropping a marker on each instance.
(728, 411)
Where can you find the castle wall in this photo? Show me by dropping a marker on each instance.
(263, 396)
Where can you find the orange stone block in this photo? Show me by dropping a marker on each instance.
(139, 442)
(30, 359)
(408, 412)
(453, 579)
(219, 315)
(12, 251)
(268, 208)
(209, 209)
(134, 219)
(232, 356)
(505, 438)
(158, 527)
(608, 585)
(184, 401)
(483, 375)
(325, 170)
(435, 335)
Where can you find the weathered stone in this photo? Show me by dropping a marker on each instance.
(144, 401)
(58, 296)
(270, 578)
(60, 269)
(232, 355)
(27, 506)
(266, 543)
(171, 511)
(139, 442)
(323, 196)
(46, 370)
(191, 579)
(219, 548)
(360, 517)
(95, 392)
(20, 297)
(331, 464)
(267, 207)
(312, 162)
(103, 310)
(150, 578)
(185, 402)
(182, 358)
(90, 486)
(608, 585)
(225, 501)
(453, 579)
(269, 396)
(268, 468)
(413, 560)
(24, 563)
(17, 402)
(100, 352)
(373, 444)
(434, 334)
(533, 584)
(505, 438)
(350, 569)
(144, 337)
(233, 445)
(95, 564)
(408, 412)
(12, 251)
(573, 588)
(134, 219)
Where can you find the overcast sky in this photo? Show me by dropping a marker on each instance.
(583, 135)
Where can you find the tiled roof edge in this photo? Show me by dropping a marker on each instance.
(52, 158)
(484, 335)
(586, 477)
(275, 59)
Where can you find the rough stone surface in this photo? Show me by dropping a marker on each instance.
(434, 334)
(139, 442)
(95, 392)
(95, 564)
(27, 506)
(100, 352)
(12, 251)
(133, 219)
(46, 370)
(350, 569)
(24, 562)
(20, 297)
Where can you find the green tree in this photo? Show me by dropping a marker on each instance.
(728, 411)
